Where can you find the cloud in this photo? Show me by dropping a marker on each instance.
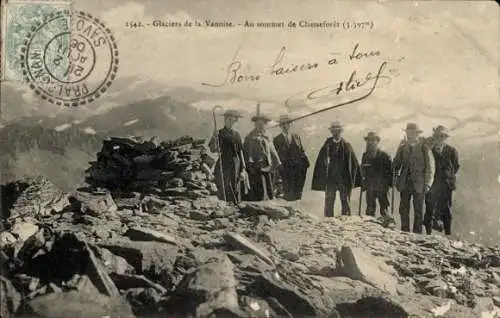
(131, 122)
(89, 131)
(62, 127)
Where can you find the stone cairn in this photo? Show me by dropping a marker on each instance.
(165, 169)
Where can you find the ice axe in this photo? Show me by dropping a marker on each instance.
(218, 150)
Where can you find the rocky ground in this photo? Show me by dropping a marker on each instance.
(162, 253)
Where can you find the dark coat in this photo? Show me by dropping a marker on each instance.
(291, 154)
(229, 163)
(294, 165)
(320, 175)
(377, 171)
(447, 165)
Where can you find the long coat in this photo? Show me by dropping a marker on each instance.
(261, 161)
(231, 148)
(377, 171)
(320, 175)
(447, 166)
(417, 164)
(294, 165)
(291, 154)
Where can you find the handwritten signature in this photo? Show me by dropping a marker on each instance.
(330, 93)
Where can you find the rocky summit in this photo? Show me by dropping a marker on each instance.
(124, 248)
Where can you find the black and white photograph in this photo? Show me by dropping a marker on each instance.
(222, 158)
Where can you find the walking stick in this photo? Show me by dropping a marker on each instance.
(220, 154)
(361, 186)
(360, 199)
(392, 191)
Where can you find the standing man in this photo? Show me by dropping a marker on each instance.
(438, 209)
(231, 163)
(336, 170)
(377, 173)
(262, 160)
(293, 159)
(414, 168)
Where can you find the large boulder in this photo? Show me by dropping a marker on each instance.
(113, 263)
(23, 230)
(287, 299)
(358, 264)
(345, 289)
(76, 304)
(210, 287)
(377, 306)
(6, 239)
(93, 203)
(10, 298)
(154, 260)
(32, 197)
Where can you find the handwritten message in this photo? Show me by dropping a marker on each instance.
(357, 86)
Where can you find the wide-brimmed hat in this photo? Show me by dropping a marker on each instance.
(336, 126)
(232, 113)
(440, 131)
(261, 117)
(412, 127)
(284, 119)
(372, 135)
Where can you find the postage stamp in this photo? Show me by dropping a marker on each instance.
(18, 17)
(67, 57)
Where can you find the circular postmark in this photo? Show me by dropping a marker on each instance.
(70, 58)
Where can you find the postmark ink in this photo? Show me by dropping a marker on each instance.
(70, 58)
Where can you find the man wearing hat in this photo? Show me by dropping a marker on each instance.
(336, 170)
(262, 160)
(438, 206)
(230, 167)
(293, 159)
(414, 169)
(377, 175)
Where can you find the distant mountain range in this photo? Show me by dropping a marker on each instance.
(19, 103)
(61, 146)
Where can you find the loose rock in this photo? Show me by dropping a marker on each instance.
(358, 265)
(10, 298)
(144, 234)
(77, 304)
(23, 230)
(269, 208)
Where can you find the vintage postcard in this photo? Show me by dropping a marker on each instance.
(250, 159)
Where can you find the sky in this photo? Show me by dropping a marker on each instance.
(450, 50)
(442, 57)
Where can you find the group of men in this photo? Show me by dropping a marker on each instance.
(423, 170)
